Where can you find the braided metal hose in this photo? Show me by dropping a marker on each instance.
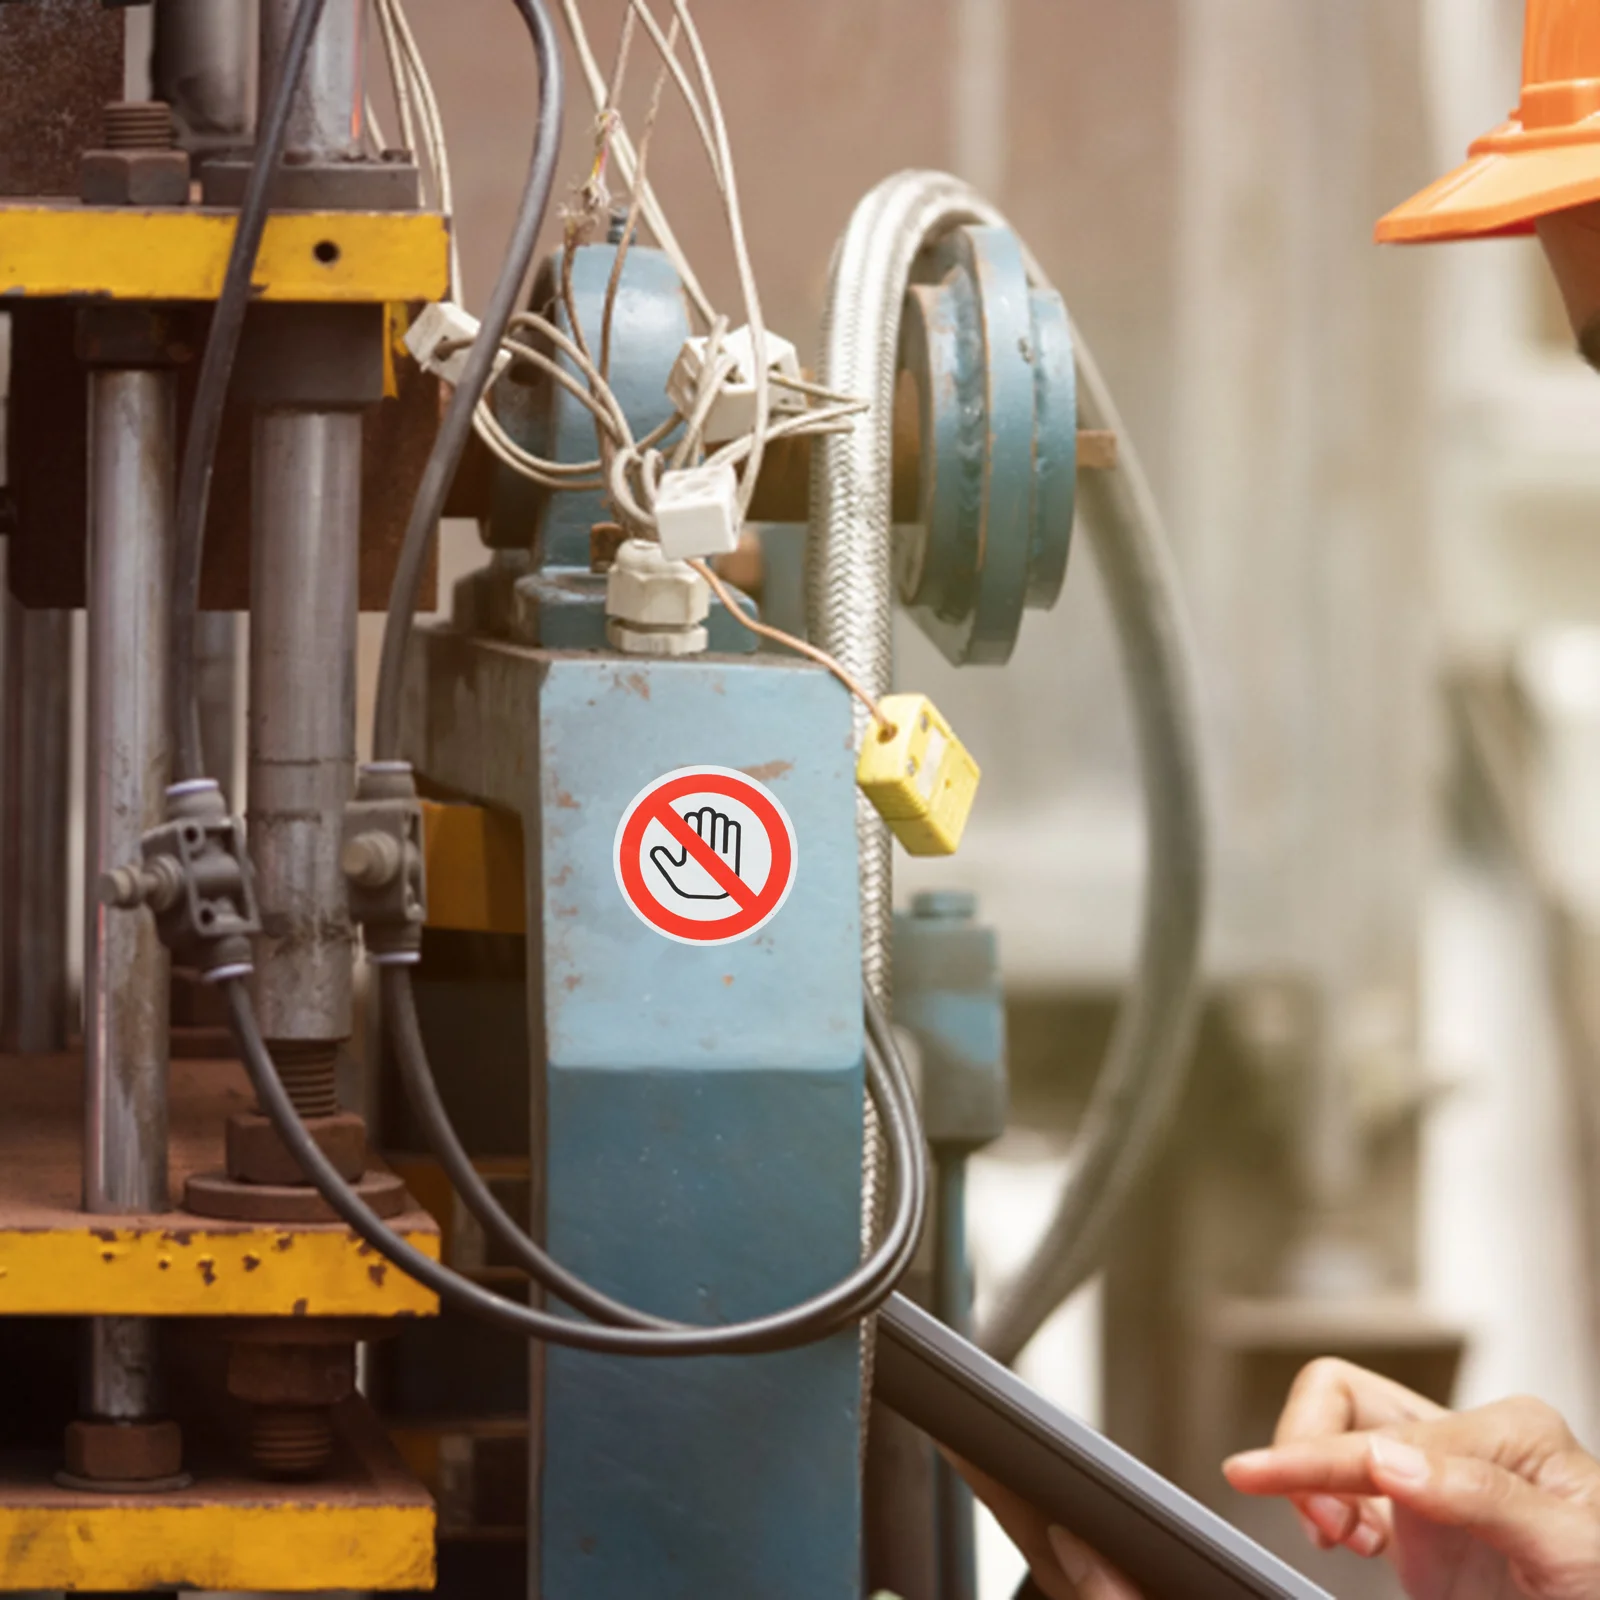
(850, 607)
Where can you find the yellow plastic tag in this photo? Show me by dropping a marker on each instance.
(920, 778)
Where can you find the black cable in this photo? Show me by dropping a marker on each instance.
(451, 439)
(850, 1301)
(211, 391)
(847, 1302)
(879, 1272)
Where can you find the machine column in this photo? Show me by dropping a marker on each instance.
(306, 514)
(125, 964)
(304, 591)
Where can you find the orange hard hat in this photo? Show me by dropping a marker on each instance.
(1546, 158)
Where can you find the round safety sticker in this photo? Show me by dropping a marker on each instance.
(705, 855)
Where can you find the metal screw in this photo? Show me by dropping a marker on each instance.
(156, 884)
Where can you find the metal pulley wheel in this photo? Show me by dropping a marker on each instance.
(988, 360)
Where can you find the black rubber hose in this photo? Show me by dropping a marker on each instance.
(211, 391)
(451, 439)
(899, 1240)
(851, 1300)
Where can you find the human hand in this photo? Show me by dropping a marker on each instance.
(1063, 1567)
(1473, 1505)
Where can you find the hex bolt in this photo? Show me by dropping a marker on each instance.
(138, 125)
(372, 859)
(292, 1388)
(291, 1442)
(308, 1068)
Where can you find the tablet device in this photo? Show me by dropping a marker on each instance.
(1166, 1543)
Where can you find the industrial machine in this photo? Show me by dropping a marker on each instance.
(483, 1163)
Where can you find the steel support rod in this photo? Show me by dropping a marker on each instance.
(125, 966)
(304, 591)
(200, 65)
(305, 548)
(328, 116)
(37, 763)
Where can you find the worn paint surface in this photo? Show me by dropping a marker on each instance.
(117, 1545)
(119, 252)
(699, 1110)
(164, 1266)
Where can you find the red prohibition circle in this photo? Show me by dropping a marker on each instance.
(655, 804)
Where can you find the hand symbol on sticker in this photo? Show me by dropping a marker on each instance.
(688, 879)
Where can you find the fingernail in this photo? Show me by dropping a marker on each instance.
(1398, 1460)
(1074, 1559)
(1332, 1516)
(1366, 1540)
(1249, 1461)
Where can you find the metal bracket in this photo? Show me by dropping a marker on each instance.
(195, 878)
(989, 360)
(382, 860)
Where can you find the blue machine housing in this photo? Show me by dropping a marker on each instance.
(697, 1116)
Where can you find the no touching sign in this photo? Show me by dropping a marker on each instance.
(705, 855)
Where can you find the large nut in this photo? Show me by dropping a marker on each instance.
(124, 1452)
(293, 1375)
(646, 589)
(134, 178)
(255, 1153)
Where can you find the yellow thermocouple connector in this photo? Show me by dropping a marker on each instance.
(920, 777)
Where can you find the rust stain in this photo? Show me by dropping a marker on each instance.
(179, 1236)
(105, 1235)
(251, 1263)
(727, 979)
(378, 1271)
(565, 802)
(108, 1256)
(637, 683)
(560, 879)
(569, 911)
(208, 1269)
(768, 770)
(571, 981)
(164, 1262)
(298, 1309)
(284, 1241)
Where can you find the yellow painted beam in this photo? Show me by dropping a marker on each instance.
(370, 1526)
(180, 253)
(173, 1266)
(474, 868)
(119, 1546)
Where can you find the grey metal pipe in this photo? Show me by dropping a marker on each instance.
(306, 502)
(125, 965)
(200, 65)
(850, 608)
(124, 1371)
(38, 764)
(327, 119)
(216, 680)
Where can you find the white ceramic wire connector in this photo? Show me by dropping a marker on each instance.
(734, 412)
(697, 512)
(444, 324)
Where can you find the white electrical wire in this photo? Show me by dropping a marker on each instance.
(418, 110)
